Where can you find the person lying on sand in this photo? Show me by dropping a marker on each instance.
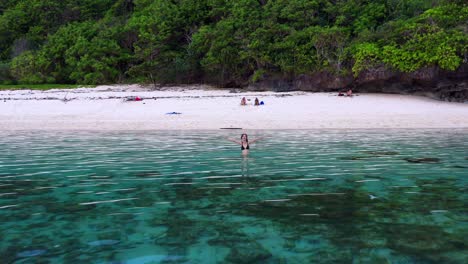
(348, 93)
(133, 98)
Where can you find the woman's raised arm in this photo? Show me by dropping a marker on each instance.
(235, 141)
(255, 140)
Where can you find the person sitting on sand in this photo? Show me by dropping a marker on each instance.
(257, 102)
(244, 142)
(243, 101)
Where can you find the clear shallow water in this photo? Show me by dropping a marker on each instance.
(191, 197)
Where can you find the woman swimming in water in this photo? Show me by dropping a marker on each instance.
(244, 142)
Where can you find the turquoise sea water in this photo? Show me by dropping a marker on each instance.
(396, 196)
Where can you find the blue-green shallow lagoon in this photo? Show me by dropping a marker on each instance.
(395, 196)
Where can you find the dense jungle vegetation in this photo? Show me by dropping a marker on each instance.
(222, 42)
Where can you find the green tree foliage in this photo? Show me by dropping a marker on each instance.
(224, 42)
(164, 32)
(77, 53)
(5, 74)
(432, 38)
(34, 20)
(366, 55)
(223, 46)
(25, 69)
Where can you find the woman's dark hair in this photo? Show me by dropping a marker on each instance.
(246, 137)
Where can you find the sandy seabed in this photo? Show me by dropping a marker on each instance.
(200, 107)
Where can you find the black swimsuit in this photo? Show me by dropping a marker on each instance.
(242, 147)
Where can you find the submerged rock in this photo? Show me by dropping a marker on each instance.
(105, 242)
(381, 153)
(369, 155)
(250, 252)
(421, 239)
(68, 208)
(354, 158)
(144, 174)
(150, 259)
(31, 253)
(422, 160)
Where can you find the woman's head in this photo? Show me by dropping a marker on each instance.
(244, 138)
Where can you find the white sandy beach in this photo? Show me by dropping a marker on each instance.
(103, 108)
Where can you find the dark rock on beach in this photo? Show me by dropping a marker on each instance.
(320, 82)
(273, 84)
(431, 82)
